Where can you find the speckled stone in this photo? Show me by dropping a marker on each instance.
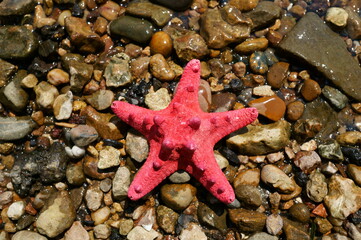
(251, 45)
(258, 62)
(177, 196)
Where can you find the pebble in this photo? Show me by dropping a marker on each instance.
(258, 63)
(307, 160)
(175, 5)
(16, 210)
(179, 176)
(271, 107)
(80, 74)
(93, 197)
(13, 128)
(76, 232)
(354, 172)
(136, 146)
(138, 233)
(353, 23)
(222, 102)
(262, 139)
(45, 94)
(158, 100)
(232, 26)
(275, 177)
(274, 224)
(323, 225)
(102, 231)
(221, 160)
(247, 177)
(161, 43)
(335, 97)
(29, 235)
(6, 71)
(83, 135)
(160, 68)
(177, 196)
(167, 219)
(277, 74)
(249, 195)
(30, 81)
(63, 106)
(310, 90)
(57, 215)
(101, 215)
(252, 45)
(158, 14)
(263, 91)
(244, 5)
(136, 29)
(108, 157)
(75, 151)
(117, 72)
(239, 68)
(139, 68)
(295, 230)
(247, 220)
(212, 217)
(101, 99)
(133, 50)
(193, 231)
(75, 174)
(121, 182)
(264, 15)
(110, 10)
(125, 226)
(331, 151)
(262, 236)
(337, 16)
(204, 96)
(349, 138)
(345, 189)
(300, 212)
(295, 110)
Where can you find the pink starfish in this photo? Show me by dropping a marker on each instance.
(182, 136)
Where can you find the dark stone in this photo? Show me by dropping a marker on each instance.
(54, 32)
(17, 42)
(230, 155)
(40, 68)
(77, 11)
(177, 5)
(301, 178)
(49, 165)
(6, 70)
(353, 154)
(25, 221)
(16, 7)
(264, 15)
(48, 49)
(325, 51)
(212, 216)
(133, 28)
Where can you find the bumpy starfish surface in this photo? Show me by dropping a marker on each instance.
(182, 136)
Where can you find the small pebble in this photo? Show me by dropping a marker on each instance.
(161, 43)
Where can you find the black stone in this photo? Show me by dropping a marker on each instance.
(353, 154)
(301, 178)
(230, 155)
(54, 32)
(176, 5)
(112, 143)
(77, 11)
(40, 68)
(48, 49)
(236, 85)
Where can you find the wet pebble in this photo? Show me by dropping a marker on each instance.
(310, 89)
(80, 74)
(295, 110)
(271, 107)
(158, 14)
(212, 217)
(264, 15)
(63, 106)
(29, 81)
(13, 128)
(354, 172)
(177, 196)
(307, 160)
(353, 23)
(110, 10)
(335, 97)
(160, 68)
(331, 150)
(258, 63)
(349, 138)
(252, 45)
(337, 16)
(300, 212)
(247, 220)
(101, 99)
(277, 74)
(161, 43)
(244, 5)
(57, 77)
(249, 195)
(223, 102)
(175, 5)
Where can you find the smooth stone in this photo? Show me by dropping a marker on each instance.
(102, 231)
(221, 160)
(349, 138)
(16, 210)
(187, 44)
(13, 96)
(16, 7)
(6, 71)
(101, 99)
(133, 28)
(302, 39)
(354, 172)
(222, 102)
(80, 74)
(75, 152)
(295, 110)
(193, 231)
(179, 5)
(136, 146)
(353, 23)
(337, 16)
(14, 128)
(179, 177)
(244, 5)
(28, 235)
(158, 100)
(139, 68)
(316, 186)
(307, 160)
(295, 230)
(57, 215)
(258, 63)
(247, 220)
(232, 26)
(83, 135)
(331, 151)
(160, 68)
(45, 94)
(17, 42)
(264, 15)
(271, 107)
(343, 198)
(247, 177)
(335, 97)
(323, 225)
(310, 90)
(82, 36)
(121, 183)
(262, 236)
(117, 72)
(277, 74)
(158, 14)
(167, 219)
(249, 195)
(300, 212)
(275, 177)
(110, 11)
(177, 196)
(75, 174)
(63, 106)
(212, 216)
(161, 43)
(204, 96)
(139, 232)
(263, 139)
(77, 231)
(101, 215)
(252, 45)
(93, 196)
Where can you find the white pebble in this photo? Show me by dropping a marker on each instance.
(16, 210)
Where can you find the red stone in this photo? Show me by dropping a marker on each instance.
(182, 136)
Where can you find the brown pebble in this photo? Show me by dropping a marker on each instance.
(132, 50)
(100, 25)
(310, 89)
(38, 117)
(295, 110)
(300, 212)
(161, 43)
(244, 5)
(271, 107)
(297, 11)
(239, 68)
(160, 68)
(274, 37)
(252, 45)
(277, 74)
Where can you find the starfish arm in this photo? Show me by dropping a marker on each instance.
(139, 118)
(150, 175)
(187, 88)
(208, 173)
(223, 123)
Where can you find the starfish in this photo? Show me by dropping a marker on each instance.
(182, 137)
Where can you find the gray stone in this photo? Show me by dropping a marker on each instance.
(101, 99)
(121, 182)
(80, 74)
(179, 5)
(13, 128)
(262, 236)
(249, 195)
(83, 135)
(177, 196)
(180, 176)
(6, 70)
(13, 96)
(331, 151)
(136, 146)
(57, 215)
(158, 14)
(275, 177)
(212, 216)
(320, 49)
(16, 7)
(247, 220)
(117, 71)
(316, 186)
(335, 97)
(17, 42)
(28, 235)
(264, 15)
(263, 139)
(232, 26)
(108, 157)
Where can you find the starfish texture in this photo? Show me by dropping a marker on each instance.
(182, 136)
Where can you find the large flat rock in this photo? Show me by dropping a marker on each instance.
(313, 42)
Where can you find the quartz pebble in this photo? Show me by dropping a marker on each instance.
(337, 16)
(16, 210)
